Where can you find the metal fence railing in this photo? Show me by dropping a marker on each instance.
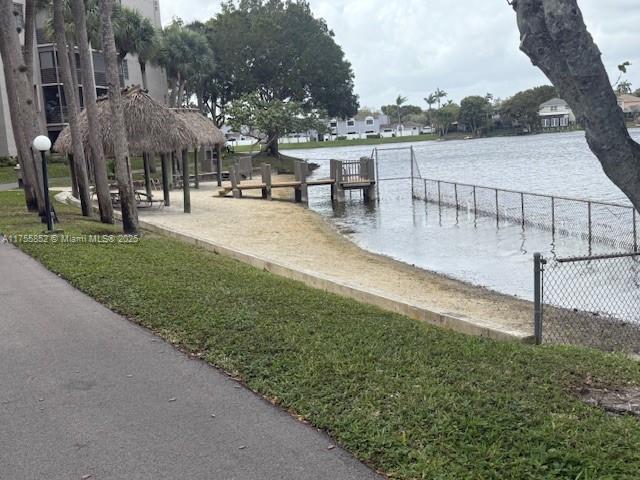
(612, 225)
(591, 301)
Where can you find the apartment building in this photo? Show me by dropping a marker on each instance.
(48, 88)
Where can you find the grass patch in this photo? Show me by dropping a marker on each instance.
(340, 143)
(413, 400)
(56, 170)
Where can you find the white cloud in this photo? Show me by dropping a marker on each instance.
(468, 47)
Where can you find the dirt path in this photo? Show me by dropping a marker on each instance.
(291, 235)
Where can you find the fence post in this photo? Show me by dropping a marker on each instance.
(455, 191)
(497, 209)
(425, 189)
(475, 205)
(439, 195)
(635, 231)
(412, 192)
(377, 175)
(590, 227)
(538, 269)
(522, 205)
(553, 216)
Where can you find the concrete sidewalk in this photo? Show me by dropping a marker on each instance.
(85, 394)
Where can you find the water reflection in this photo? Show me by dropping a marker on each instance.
(483, 250)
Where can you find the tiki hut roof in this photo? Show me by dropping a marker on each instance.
(205, 130)
(151, 127)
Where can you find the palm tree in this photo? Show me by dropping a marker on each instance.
(79, 161)
(431, 101)
(120, 146)
(399, 102)
(89, 93)
(21, 105)
(145, 43)
(439, 94)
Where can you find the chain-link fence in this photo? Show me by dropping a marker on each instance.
(605, 226)
(592, 301)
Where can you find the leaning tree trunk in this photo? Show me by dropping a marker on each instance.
(21, 105)
(89, 93)
(72, 109)
(120, 145)
(554, 36)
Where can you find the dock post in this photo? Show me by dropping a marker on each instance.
(301, 191)
(266, 179)
(333, 176)
(340, 196)
(371, 190)
(237, 193)
(304, 188)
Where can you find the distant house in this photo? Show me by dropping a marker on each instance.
(357, 127)
(556, 115)
(630, 105)
(404, 129)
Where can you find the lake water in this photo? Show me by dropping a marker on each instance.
(496, 255)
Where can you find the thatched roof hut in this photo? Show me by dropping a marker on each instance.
(208, 134)
(151, 127)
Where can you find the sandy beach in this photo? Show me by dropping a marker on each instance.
(292, 235)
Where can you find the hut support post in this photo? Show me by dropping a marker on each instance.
(185, 181)
(266, 180)
(166, 186)
(147, 174)
(195, 168)
(219, 163)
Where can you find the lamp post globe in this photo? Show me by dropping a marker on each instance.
(42, 143)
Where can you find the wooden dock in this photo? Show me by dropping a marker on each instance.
(344, 175)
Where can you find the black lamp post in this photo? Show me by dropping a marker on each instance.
(43, 144)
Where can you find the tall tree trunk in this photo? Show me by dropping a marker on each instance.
(120, 146)
(89, 92)
(554, 36)
(29, 45)
(72, 108)
(21, 105)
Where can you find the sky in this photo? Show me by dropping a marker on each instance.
(464, 47)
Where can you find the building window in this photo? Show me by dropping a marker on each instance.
(351, 122)
(333, 124)
(124, 69)
(564, 121)
(554, 122)
(369, 121)
(554, 108)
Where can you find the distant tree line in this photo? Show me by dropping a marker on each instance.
(476, 114)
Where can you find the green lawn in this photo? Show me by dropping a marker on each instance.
(56, 170)
(410, 399)
(342, 143)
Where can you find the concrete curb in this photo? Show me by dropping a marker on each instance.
(457, 323)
